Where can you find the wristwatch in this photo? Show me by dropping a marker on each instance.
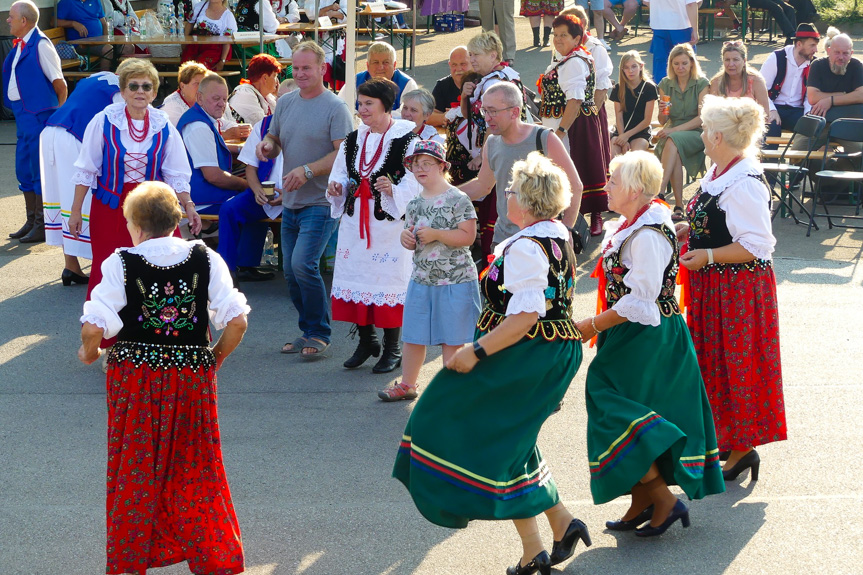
(561, 129)
(308, 171)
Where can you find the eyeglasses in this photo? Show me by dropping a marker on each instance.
(423, 166)
(134, 87)
(490, 113)
(508, 193)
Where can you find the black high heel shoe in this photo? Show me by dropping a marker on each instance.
(564, 549)
(68, 277)
(750, 460)
(680, 511)
(621, 525)
(541, 563)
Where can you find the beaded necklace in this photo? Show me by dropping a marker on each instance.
(364, 191)
(136, 134)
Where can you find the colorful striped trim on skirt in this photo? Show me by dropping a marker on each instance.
(471, 482)
(627, 441)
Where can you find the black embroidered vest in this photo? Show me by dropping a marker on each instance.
(709, 230)
(615, 271)
(165, 319)
(557, 322)
(393, 167)
(553, 97)
(247, 18)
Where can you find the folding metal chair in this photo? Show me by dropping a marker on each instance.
(785, 175)
(843, 130)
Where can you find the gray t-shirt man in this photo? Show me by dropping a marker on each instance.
(307, 129)
(501, 157)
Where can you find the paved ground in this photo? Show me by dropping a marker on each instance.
(309, 448)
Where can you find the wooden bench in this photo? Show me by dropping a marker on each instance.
(57, 35)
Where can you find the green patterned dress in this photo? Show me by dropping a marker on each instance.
(469, 449)
(645, 396)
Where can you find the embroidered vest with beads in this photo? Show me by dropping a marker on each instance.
(615, 272)
(708, 228)
(557, 322)
(165, 319)
(392, 167)
(553, 97)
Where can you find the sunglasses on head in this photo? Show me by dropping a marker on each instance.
(134, 87)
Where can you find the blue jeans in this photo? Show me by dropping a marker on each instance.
(305, 233)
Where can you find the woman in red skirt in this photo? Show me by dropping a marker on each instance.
(126, 144)
(733, 314)
(168, 498)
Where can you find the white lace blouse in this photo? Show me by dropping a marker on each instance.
(645, 255)
(226, 24)
(403, 192)
(109, 297)
(746, 203)
(175, 167)
(571, 77)
(525, 267)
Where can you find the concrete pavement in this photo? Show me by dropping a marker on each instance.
(309, 448)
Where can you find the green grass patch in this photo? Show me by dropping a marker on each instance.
(840, 11)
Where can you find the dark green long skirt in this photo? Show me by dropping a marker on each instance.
(469, 449)
(646, 402)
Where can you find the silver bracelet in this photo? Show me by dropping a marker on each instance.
(709, 257)
(593, 325)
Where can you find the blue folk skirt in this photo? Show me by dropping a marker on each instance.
(435, 315)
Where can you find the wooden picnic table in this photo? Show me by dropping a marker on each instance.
(406, 35)
(120, 40)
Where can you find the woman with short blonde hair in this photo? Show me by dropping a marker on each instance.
(644, 388)
(733, 288)
(158, 299)
(510, 380)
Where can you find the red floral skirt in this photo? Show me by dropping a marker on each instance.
(207, 54)
(168, 499)
(734, 322)
(383, 316)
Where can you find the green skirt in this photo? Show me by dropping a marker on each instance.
(690, 148)
(469, 449)
(646, 402)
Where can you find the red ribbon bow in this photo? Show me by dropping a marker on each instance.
(17, 41)
(364, 193)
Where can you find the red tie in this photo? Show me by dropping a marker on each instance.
(17, 41)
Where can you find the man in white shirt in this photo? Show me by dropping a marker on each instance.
(381, 63)
(673, 22)
(33, 87)
(785, 72)
(211, 158)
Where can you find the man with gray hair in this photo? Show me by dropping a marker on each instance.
(33, 87)
(381, 62)
(836, 81)
(509, 141)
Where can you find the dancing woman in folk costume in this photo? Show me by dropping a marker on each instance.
(499, 391)
(733, 315)
(369, 188)
(59, 145)
(124, 145)
(568, 107)
(649, 423)
(168, 498)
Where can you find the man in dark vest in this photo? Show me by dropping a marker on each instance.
(33, 87)
(381, 63)
(785, 72)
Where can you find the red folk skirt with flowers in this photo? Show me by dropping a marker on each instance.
(734, 322)
(168, 498)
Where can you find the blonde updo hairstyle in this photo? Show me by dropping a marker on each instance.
(541, 187)
(135, 67)
(154, 208)
(188, 70)
(639, 170)
(739, 120)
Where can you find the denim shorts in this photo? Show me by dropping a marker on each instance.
(595, 5)
(435, 315)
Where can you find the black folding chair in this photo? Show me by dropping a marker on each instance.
(784, 175)
(842, 131)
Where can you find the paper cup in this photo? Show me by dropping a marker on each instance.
(269, 189)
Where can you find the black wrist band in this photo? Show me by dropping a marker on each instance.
(479, 350)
